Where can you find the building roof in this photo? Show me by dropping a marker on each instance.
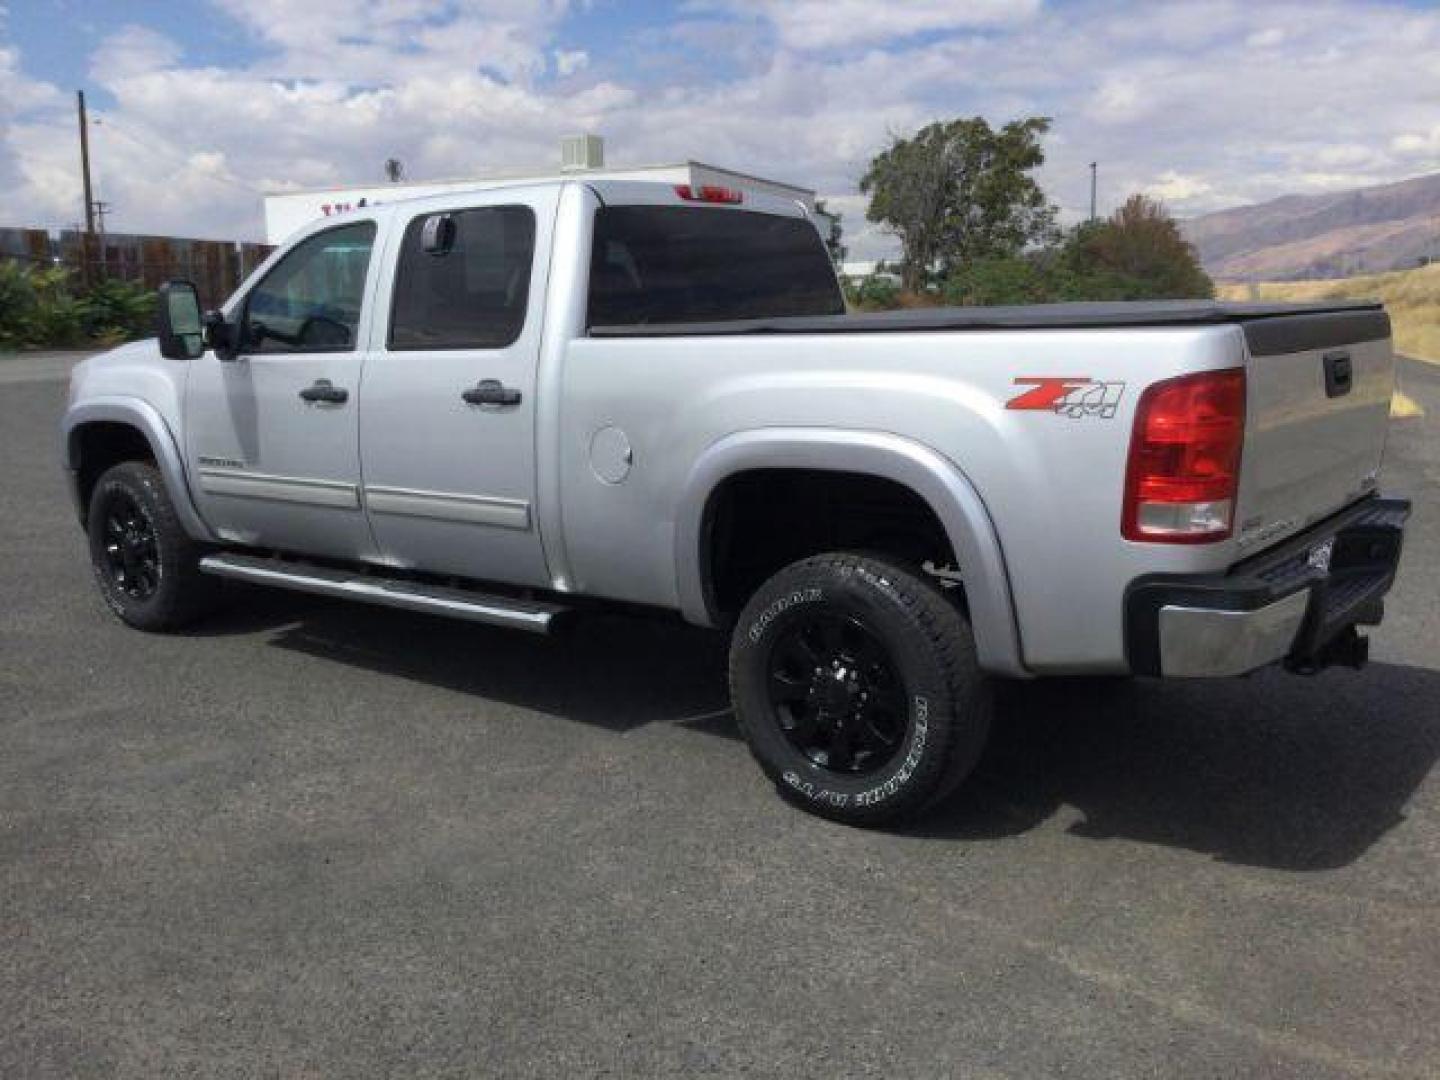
(501, 176)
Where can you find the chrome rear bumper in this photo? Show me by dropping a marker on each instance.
(1198, 642)
(1299, 603)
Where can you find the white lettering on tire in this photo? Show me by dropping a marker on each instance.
(775, 610)
(837, 799)
(912, 760)
(881, 792)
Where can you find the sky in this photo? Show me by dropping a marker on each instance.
(198, 106)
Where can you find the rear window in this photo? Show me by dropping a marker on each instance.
(676, 264)
(474, 295)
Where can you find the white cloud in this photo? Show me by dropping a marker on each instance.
(1268, 38)
(19, 94)
(569, 61)
(133, 51)
(367, 41)
(1201, 103)
(20, 97)
(1421, 144)
(825, 24)
(1122, 98)
(1174, 187)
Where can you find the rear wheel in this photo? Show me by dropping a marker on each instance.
(856, 685)
(147, 567)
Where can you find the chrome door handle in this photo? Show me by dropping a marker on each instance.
(325, 390)
(490, 392)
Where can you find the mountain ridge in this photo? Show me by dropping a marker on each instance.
(1303, 237)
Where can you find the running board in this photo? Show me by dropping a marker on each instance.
(533, 615)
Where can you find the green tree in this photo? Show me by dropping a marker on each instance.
(1018, 279)
(42, 306)
(961, 191)
(118, 310)
(835, 239)
(878, 292)
(1139, 253)
(1136, 254)
(17, 304)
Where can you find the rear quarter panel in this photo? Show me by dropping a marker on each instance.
(1052, 483)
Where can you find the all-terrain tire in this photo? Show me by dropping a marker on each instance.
(147, 566)
(942, 702)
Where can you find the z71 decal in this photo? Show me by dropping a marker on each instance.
(1073, 397)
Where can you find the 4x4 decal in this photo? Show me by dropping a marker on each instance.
(1073, 396)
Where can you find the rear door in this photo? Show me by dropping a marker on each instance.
(447, 413)
(1318, 405)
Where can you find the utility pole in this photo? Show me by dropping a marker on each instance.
(85, 163)
(1094, 166)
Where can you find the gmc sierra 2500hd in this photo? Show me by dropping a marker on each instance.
(507, 405)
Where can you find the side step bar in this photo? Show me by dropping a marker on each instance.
(532, 615)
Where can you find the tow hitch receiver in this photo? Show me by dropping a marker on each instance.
(1349, 648)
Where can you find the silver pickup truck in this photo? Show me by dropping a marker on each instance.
(512, 405)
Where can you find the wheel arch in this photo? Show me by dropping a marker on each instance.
(79, 444)
(932, 478)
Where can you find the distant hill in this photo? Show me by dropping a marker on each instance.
(1300, 237)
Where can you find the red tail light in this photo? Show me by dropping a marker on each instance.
(1184, 466)
(711, 193)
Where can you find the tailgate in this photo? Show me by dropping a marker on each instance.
(1318, 411)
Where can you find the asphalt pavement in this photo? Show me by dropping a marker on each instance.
(311, 839)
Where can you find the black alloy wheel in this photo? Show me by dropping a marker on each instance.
(857, 685)
(147, 566)
(131, 552)
(836, 693)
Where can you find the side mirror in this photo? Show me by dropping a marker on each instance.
(221, 336)
(182, 336)
(437, 236)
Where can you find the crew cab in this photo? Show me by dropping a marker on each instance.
(512, 405)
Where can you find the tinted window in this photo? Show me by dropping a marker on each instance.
(473, 295)
(669, 264)
(310, 301)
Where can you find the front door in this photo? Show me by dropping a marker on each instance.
(447, 411)
(272, 438)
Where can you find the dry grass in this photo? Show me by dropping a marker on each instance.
(1411, 296)
(1404, 407)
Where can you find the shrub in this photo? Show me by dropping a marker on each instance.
(988, 282)
(17, 304)
(1138, 253)
(878, 292)
(59, 316)
(120, 310)
(41, 306)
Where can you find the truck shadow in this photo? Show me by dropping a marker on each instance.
(1274, 770)
(615, 671)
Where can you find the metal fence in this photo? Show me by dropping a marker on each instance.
(215, 266)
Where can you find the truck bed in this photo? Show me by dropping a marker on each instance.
(1280, 327)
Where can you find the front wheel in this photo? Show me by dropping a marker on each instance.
(856, 685)
(147, 567)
